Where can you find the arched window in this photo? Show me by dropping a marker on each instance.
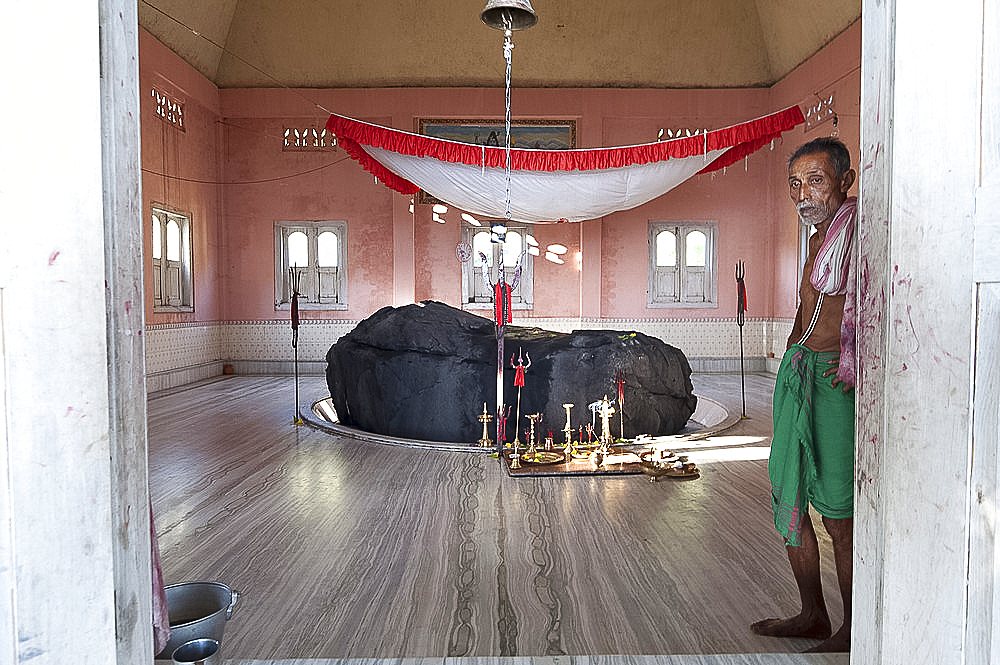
(310, 258)
(682, 263)
(327, 255)
(298, 250)
(697, 243)
(512, 249)
(666, 249)
(173, 240)
(475, 292)
(157, 237)
(171, 258)
(481, 246)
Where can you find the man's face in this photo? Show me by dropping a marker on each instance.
(815, 189)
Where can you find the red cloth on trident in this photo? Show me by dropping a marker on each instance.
(519, 369)
(295, 320)
(519, 376)
(501, 302)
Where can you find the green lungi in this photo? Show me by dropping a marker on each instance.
(812, 452)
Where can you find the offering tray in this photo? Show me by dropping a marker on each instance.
(621, 462)
(669, 465)
(543, 457)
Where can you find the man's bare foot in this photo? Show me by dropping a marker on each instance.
(797, 626)
(840, 642)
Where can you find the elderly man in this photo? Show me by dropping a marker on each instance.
(812, 452)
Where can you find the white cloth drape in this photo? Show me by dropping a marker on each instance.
(542, 196)
(549, 185)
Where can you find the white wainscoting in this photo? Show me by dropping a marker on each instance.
(178, 354)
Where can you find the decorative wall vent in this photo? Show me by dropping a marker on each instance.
(308, 139)
(682, 132)
(169, 109)
(820, 112)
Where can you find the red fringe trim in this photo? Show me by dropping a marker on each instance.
(373, 166)
(742, 140)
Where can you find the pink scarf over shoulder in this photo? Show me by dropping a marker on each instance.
(834, 274)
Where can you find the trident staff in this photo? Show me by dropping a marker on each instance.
(741, 306)
(502, 315)
(295, 276)
(519, 370)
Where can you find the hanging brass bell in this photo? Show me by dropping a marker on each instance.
(509, 14)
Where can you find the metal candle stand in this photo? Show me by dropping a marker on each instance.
(485, 419)
(534, 418)
(607, 438)
(568, 432)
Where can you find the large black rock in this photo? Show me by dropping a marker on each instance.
(425, 371)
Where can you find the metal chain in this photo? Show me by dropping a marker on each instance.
(508, 46)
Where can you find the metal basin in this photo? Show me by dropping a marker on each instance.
(197, 610)
(202, 651)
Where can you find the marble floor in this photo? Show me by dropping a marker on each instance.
(347, 551)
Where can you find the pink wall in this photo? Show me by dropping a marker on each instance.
(737, 199)
(261, 194)
(438, 272)
(557, 286)
(189, 160)
(396, 257)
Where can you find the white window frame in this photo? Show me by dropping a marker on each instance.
(312, 276)
(473, 295)
(172, 283)
(692, 286)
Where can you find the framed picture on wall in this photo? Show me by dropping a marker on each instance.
(535, 134)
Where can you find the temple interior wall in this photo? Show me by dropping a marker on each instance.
(228, 171)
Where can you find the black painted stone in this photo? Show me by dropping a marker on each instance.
(424, 372)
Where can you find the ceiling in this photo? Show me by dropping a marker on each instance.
(429, 43)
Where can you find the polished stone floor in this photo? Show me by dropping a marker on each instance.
(347, 551)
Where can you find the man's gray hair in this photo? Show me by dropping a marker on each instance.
(834, 148)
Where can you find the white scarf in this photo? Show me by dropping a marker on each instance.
(833, 261)
(834, 274)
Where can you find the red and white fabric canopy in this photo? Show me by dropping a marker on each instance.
(548, 185)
